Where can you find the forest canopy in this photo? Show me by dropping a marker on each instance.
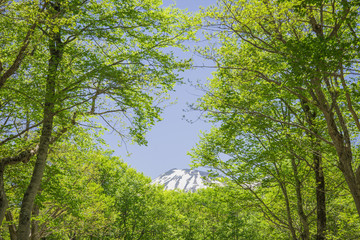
(284, 103)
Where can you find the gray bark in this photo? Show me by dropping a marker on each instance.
(35, 235)
(55, 46)
(341, 140)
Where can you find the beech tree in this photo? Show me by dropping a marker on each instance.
(72, 61)
(294, 57)
(71, 200)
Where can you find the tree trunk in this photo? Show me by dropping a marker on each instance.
(319, 175)
(55, 46)
(320, 197)
(3, 199)
(345, 166)
(11, 225)
(288, 213)
(287, 204)
(35, 235)
(340, 139)
(305, 234)
(342, 145)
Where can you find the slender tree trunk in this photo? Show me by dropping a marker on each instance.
(345, 158)
(30, 194)
(340, 139)
(3, 199)
(288, 211)
(345, 164)
(342, 145)
(11, 225)
(287, 204)
(55, 46)
(337, 126)
(320, 197)
(305, 235)
(319, 175)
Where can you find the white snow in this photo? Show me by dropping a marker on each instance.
(179, 172)
(170, 185)
(183, 181)
(187, 180)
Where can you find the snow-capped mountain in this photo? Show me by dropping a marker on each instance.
(184, 179)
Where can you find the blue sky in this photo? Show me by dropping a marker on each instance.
(171, 139)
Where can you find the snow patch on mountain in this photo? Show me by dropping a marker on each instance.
(184, 179)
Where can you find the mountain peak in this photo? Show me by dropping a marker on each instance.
(184, 179)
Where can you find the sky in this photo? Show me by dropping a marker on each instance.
(170, 139)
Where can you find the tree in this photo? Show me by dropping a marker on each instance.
(139, 207)
(92, 59)
(71, 199)
(286, 72)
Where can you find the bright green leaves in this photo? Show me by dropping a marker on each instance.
(278, 98)
(74, 65)
(113, 61)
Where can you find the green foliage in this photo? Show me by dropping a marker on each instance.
(101, 65)
(112, 61)
(281, 99)
(89, 194)
(284, 101)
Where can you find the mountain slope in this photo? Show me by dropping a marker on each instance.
(184, 179)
